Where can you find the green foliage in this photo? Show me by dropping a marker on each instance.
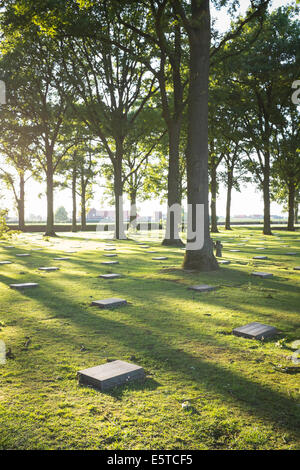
(4, 230)
(61, 215)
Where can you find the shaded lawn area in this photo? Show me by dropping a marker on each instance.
(183, 339)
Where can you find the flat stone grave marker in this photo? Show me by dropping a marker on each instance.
(110, 276)
(224, 262)
(203, 288)
(144, 246)
(5, 262)
(25, 285)
(22, 255)
(109, 249)
(110, 255)
(255, 330)
(50, 268)
(291, 253)
(261, 274)
(260, 248)
(61, 259)
(112, 374)
(235, 251)
(297, 268)
(109, 303)
(260, 257)
(8, 246)
(70, 251)
(160, 258)
(110, 262)
(151, 251)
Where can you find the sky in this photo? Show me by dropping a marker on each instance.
(247, 202)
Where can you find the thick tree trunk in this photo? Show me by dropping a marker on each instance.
(50, 214)
(213, 202)
(291, 205)
(266, 194)
(74, 208)
(21, 203)
(228, 199)
(172, 237)
(296, 211)
(118, 190)
(200, 258)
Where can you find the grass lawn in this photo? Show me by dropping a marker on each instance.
(239, 396)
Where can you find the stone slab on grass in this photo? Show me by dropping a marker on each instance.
(260, 257)
(293, 253)
(203, 288)
(235, 251)
(61, 259)
(5, 262)
(255, 330)
(109, 249)
(111, 255)
(110, 262)
(224, 261)
(109, 303)
(160, 258)
(261, 274)
(25, 285)
(48, 268)
(297, 268)
(22, 255)
(110, 375)
(110, 276)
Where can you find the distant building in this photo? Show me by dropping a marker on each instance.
(95, 215)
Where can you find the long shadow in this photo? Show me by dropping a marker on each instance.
(155, 352)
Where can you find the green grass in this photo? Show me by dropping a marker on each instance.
(239, 398)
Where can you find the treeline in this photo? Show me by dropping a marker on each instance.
(151, 97)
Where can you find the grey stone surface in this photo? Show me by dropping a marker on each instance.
(151, 251)
(109, 249)
(112, 374)
(235, 251)
(50, 268)
(292, 253)
(297, 268)
(61, 259)
(260, 257)
(261, 274)
(5, 262)
(110, 262)
(255, 330)
(225, 261)
(25, 285)
(109, 303)
(160, 258)
(203, 288)
(112, 255)
(110, 276)
(22, 255)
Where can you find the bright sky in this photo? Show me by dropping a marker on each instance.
(249, 201)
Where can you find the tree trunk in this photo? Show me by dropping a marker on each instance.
(266, 194)
(213, 202)
(291, 205)
(21, 203)
(118, 190)
(172, 233)
(74, 209)
(199, 258)
(228, 199)
(296, 211)
(50, 215)
(83, 204)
